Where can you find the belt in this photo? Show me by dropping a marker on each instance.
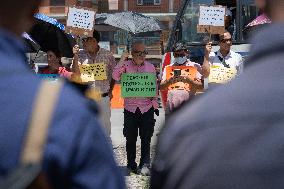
(104, 94)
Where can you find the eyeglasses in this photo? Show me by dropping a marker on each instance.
(140, 53)
(226, 40)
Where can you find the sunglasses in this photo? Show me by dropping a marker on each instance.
(226, 40)
(140, 53)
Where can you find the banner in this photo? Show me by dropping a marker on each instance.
(92, 72)
(220, 74)
(138, 85)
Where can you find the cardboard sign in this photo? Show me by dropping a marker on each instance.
(186, 71)
(138, 85)
(92, 72)
(221, 75)
(165, 36)
(51, 77)
(211, 19)
(80, 21)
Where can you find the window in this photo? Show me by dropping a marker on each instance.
(157, 2)
(189, 21)
(139, 2)
(148, 2)
(57, 2)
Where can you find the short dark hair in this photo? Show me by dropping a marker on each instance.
(220, 37)
(97, 35)
(56, 52)
(179, 46)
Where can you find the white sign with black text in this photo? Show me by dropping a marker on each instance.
(212, 16)
(81, 18)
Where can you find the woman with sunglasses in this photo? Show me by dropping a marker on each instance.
(180, 87)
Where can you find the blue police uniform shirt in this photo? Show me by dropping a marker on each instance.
(77, 153)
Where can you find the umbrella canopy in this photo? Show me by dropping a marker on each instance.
(131, 22)
(50, 35)
(52, 21)
(31, 45)
(260, 20)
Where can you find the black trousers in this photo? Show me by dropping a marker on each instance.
(144, 123)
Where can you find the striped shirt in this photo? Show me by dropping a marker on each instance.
(102, 56)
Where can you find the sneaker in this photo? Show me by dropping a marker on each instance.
(145, 170)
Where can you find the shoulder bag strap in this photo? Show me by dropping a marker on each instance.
(42, 112)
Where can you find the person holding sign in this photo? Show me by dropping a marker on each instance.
(184, 87)
(55, 65)
(225, 57)
(233, 137)
(76, 152)
(93, 55)
(138, 111)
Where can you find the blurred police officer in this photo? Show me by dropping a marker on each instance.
(77, 153)
(233, 137)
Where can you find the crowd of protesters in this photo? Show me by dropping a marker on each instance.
(230, 138)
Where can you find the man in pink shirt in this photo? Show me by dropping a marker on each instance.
(138, 112)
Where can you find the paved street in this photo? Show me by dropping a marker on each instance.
(133, 181)
(117, 126)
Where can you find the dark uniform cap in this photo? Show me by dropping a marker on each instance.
(179, 46)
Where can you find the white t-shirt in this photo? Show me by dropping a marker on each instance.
(234, 60)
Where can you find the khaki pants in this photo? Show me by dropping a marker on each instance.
(105, 113)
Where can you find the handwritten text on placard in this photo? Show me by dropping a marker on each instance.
(212, 16)
(221, 74)
(80, 18)
(92, 72)
(138, 85)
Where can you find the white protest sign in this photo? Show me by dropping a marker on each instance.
(80, 21)
(212, 16)
(81, 18)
